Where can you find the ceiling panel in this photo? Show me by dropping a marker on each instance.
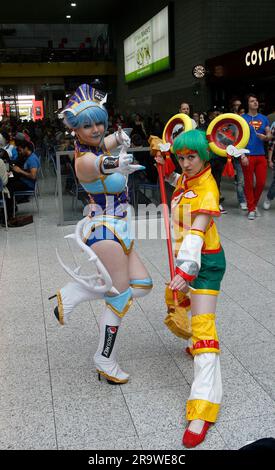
(55, 11)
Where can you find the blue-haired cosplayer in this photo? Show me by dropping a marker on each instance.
(105, 233)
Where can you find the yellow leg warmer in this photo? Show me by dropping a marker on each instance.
(204, 334)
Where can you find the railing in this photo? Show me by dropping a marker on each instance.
(44, 54)
(69, 193)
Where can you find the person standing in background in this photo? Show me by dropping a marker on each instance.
(271, 116)
(217, 163)
(196, 118)
(138, 126)
(185, 109)
(239, 177)
(203, 121)
(235, 106)
(255, 163)
(271, 163)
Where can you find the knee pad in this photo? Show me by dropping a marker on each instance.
(121, 303)
(204, 334)
(141, 287)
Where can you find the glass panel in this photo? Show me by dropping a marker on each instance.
(72, 199)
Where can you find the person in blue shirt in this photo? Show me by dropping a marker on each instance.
(26, 167)
(24, 172)
(255, 163)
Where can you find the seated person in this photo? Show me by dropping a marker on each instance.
(24, 171)
(6, 145)
(4, 156)
(3, 171)
(3, 179)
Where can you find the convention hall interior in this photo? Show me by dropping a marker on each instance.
(148, 61)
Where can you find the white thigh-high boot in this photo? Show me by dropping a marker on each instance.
(69, 296)
(105, 356)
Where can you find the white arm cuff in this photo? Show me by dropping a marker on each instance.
(172, 179)
(189, 255)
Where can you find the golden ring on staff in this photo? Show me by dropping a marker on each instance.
(180, 118)
(227, 129)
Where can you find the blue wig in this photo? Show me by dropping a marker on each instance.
(87, 117)
(85, 108)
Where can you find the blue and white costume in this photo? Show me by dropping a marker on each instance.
(108, 219)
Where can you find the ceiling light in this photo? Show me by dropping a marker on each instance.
(26, 97)
(68, 16)
(73, 4)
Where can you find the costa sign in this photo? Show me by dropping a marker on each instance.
(254, 60)
(258, 56)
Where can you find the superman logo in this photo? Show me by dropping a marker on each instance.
(256, 124)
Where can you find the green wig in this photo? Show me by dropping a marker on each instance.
(192, 140)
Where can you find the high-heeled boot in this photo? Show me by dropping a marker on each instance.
(105, 356)
(69, 296)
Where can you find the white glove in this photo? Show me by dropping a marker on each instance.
(122, 138)
(125, 164)
(165, 147)
(120, 164)
(235, 152)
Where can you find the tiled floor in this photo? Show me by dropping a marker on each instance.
(50, 397)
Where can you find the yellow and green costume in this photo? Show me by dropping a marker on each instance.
(193, 196)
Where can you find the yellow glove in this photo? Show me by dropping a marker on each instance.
(178, 320)
(154, 143)
(183, 299)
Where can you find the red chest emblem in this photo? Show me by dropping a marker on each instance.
(256, 124)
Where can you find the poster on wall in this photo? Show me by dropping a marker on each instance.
(146, 51)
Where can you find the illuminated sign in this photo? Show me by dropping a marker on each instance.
(255, 60)
(147, 50)
(258, 56)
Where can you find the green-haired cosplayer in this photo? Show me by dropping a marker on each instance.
(105, 233)
(200, 265)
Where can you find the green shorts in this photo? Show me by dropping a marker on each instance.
(211, 273)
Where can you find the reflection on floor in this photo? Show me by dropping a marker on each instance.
(50, 395)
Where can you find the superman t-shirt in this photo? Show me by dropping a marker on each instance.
(257, 124)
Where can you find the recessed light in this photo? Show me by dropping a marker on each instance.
(68, 16)
(73, 4)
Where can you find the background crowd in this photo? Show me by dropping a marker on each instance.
(23, 143)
